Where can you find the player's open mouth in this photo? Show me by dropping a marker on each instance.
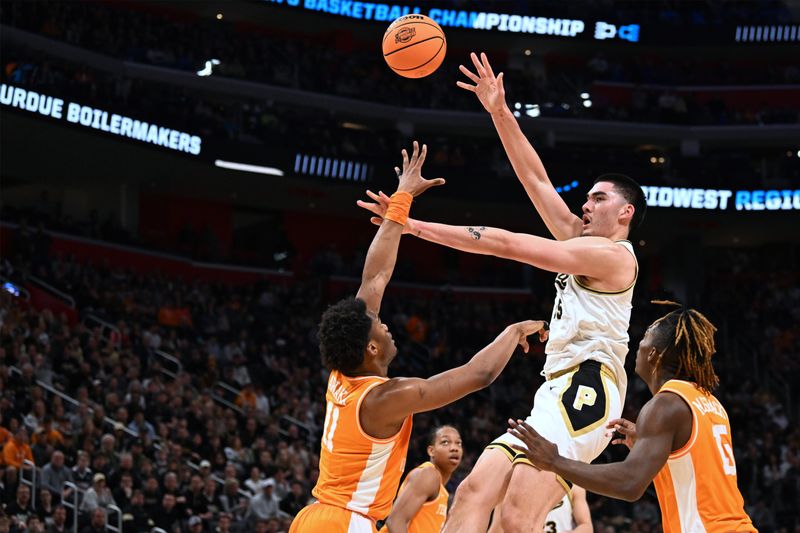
(586, 220)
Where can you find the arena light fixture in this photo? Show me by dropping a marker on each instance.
(244, 167)
(532, 110)
(209, 68)
(585, 96)
(587, 103)
(354, 126)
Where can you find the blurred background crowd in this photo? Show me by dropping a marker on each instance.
(159, 368)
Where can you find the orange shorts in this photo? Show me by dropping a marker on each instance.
(322, 518)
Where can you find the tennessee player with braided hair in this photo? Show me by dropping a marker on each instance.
(681, 440)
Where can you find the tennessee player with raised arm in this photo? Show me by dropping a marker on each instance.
(682, 440)
(368, 416)
(421, 505)
(596, 270)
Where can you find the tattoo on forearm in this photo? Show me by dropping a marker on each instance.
(476, 233)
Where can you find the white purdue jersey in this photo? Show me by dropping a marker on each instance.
(560, 519)
(589, 324)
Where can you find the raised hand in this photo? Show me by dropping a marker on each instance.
(411, 180)
(529, 327)
(488, 87)
(623, 427)
(378, 207)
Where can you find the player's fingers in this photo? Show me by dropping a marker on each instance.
(468, 73)
(422, 155)
(524, 343)
(477, 63)
(431, 183)
(466, 86)
(384, 199)
(415, 153)
(376, 220)
(517, 447)
(373, 196)
(397, 171)
(405, 158)
(544, 335)
(500, 82)
(372, 208)
(486, 65)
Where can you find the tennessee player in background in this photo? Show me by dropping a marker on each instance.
(421, 506)
(570, 515)
(681, 441)
(368, 416)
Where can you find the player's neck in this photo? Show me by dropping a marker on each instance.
(658, 381)
(370, 370)
(443, 473)
(620, 235)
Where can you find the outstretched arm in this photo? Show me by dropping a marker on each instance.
(382, 253)
(593, 257)
(422, 485)
(389, 404)
(528, 167)
(657, 426)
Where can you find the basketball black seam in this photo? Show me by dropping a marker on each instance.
(422, 65)
(414, 44)
(386, 34)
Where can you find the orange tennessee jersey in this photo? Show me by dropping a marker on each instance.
(356, 471)
(431, 515)
(697, 488)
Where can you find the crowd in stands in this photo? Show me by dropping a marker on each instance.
(339, 63)
(172, 451)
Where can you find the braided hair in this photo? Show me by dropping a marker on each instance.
(685, 337)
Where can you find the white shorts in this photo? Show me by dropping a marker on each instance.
(571, 410)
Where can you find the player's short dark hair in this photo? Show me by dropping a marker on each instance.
(435, 431)
(344, 334)
(633, 194)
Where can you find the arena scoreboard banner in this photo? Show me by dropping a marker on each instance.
(628, 31)
(474, 20)
(98, 119)
(723, 199)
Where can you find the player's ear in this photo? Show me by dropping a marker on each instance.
(430, 451)
(626, 213)
(372, 348)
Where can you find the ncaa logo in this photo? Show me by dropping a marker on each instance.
(404, 35)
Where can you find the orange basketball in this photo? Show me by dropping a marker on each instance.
(414, 46)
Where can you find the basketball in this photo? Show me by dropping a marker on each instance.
(414, 46)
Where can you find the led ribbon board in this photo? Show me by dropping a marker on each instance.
(475, 20)
(98, 119)
(723, 199)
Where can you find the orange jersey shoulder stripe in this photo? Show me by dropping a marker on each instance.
(356, 471)
(697, 489)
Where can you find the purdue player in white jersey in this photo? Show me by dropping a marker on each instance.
(571, 514)
(585, 373)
